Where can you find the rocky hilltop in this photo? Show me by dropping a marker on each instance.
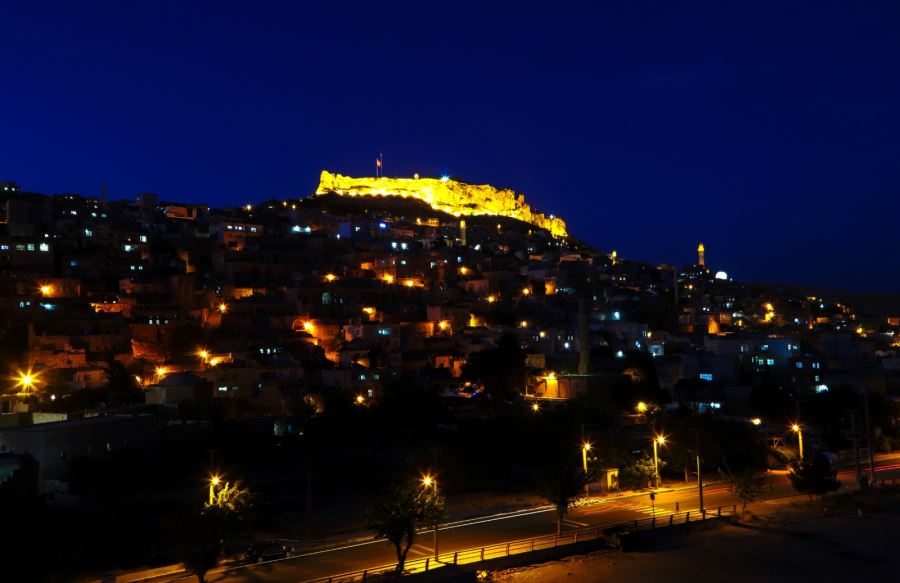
(451, 196)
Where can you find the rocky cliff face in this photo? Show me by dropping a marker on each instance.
(450, 196)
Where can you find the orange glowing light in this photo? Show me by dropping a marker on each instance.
(388, 278)
(330, 277)
(26, 381)
(222, 307)
(46, 290)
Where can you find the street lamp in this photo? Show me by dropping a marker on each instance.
(642, 407)
(657, 441)
(799, 430)
(214, 481)
(428, 481)
(222, 307)
(26, 380)
(535, 407)
(585, 448)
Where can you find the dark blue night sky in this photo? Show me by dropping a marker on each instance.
(768, 131)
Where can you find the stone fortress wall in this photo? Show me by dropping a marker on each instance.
(450, 196)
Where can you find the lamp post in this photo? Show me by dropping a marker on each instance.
(799, 430)
(214, 481)
(429, 481)
(585, 448)
(26, 381)
(658, 440)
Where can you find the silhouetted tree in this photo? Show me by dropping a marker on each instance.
(500, 369)
(399, 511)
(560, 485)
(746, 485)
(814, 477)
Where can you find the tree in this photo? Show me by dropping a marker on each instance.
(199, 546)
(560, 486)
(814, 477)
(501, 369)
(746, 485)
(207, 530)
(399, 511)
(640, 473)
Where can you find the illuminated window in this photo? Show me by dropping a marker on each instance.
(706, 376)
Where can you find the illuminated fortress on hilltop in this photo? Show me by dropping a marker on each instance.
(450, 196)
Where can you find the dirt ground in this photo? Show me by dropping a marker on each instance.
(793, 541)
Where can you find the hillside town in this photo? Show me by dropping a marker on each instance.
(140, 325)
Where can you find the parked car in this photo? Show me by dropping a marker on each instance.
(268, 550)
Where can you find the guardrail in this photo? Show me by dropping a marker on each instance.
(507, 549)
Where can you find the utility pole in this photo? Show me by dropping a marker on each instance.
(308, 495)
(859, 477)
(699, 473)
(675, 275)
(869, 440)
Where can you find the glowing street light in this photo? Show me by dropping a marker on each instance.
(641, 407)
(429, 481)
(756, 421)
(26, 381)
(330, 277)
(222, 307)
(799, 431)
(46, 290)
(657, 441)
(203, 354)
(491, 299)
(535, 407)
(214, 481)
(388, 278)
(160, 373)
(526, 291)
(360, 399)
(585, 448)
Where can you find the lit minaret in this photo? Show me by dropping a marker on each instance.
(700, 260)
(462, 232)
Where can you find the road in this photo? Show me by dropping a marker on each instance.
(509, 526)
